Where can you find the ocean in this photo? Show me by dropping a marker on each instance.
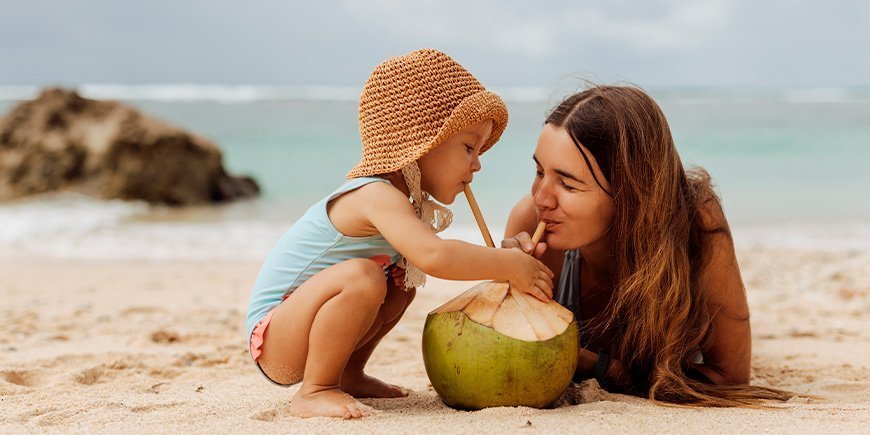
(791, 165)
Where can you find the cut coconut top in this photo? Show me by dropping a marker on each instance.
(510, 312)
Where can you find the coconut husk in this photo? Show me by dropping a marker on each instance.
(513, 313)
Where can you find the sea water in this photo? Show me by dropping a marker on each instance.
(792, 167)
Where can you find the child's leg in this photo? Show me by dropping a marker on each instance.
(318, 329)
(354, 381)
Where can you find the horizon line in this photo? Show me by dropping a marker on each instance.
(248, 93)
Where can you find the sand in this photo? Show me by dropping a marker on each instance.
(144, 346)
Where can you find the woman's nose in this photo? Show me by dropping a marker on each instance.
(542, 194)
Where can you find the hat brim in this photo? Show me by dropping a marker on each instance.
(481, 106)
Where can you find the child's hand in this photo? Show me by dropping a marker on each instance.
(529, 275)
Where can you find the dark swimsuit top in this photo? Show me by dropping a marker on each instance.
(568, 291)
(568, 295)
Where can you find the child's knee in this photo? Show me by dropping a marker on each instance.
(366, 280)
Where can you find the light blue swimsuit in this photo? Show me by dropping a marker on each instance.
(312, 244)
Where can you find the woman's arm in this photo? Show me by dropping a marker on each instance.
(727, 348)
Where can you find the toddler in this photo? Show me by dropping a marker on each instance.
(344, 273)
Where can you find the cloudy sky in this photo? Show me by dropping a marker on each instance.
(730, 43)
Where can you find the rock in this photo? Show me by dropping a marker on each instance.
(587, 391)
(61, 141)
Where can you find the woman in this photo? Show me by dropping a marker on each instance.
(641, 251)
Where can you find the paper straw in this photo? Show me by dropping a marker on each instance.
(478, 217)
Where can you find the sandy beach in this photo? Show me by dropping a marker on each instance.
(137, 346)
(146, 175)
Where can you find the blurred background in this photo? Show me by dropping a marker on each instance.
(773, 98)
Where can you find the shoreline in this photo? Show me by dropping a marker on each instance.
(72, 226)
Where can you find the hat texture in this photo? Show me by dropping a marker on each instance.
(412, 103)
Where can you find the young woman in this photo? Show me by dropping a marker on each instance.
(642, 253)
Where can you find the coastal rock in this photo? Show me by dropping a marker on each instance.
(62, 141)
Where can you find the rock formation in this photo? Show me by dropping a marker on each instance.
(61, 141)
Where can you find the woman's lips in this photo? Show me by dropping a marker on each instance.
(550, 224)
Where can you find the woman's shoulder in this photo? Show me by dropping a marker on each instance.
(711, 216)
(523, 217)
(720, 275)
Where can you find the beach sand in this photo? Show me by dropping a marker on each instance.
(144, 346)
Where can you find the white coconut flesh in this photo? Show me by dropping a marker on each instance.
(513, 313)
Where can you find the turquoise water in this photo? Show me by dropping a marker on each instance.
(772, 159)
(783, 160)
(793, 168)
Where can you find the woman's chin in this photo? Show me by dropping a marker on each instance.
(554, 243)
(558, 241)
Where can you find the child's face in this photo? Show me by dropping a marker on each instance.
(451, 165)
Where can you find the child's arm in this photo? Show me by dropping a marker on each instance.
(390, 213)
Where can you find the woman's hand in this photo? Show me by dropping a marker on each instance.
(523, 241)
(529, 275)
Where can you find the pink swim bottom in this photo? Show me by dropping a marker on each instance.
(260, 329)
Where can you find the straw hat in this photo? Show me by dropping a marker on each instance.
(412, 103)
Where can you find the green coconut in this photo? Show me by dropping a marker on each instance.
(493, 346)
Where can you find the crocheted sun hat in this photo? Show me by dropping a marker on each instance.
(412, 103)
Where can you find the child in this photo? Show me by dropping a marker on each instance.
(424, 120)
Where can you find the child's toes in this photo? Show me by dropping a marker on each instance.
(368, 411)
(358, 410)
(351, 412)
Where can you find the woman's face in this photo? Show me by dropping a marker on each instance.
(577, 211)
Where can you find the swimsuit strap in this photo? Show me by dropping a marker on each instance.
(568, 292)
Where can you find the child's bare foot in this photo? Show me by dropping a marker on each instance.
(364, 386)
(328, 403)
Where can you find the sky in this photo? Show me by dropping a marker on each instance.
(656, 43)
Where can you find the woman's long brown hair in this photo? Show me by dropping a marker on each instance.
(657, 313)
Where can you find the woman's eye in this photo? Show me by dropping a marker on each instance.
(567, 187)
(539, 174)
(469, 148)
